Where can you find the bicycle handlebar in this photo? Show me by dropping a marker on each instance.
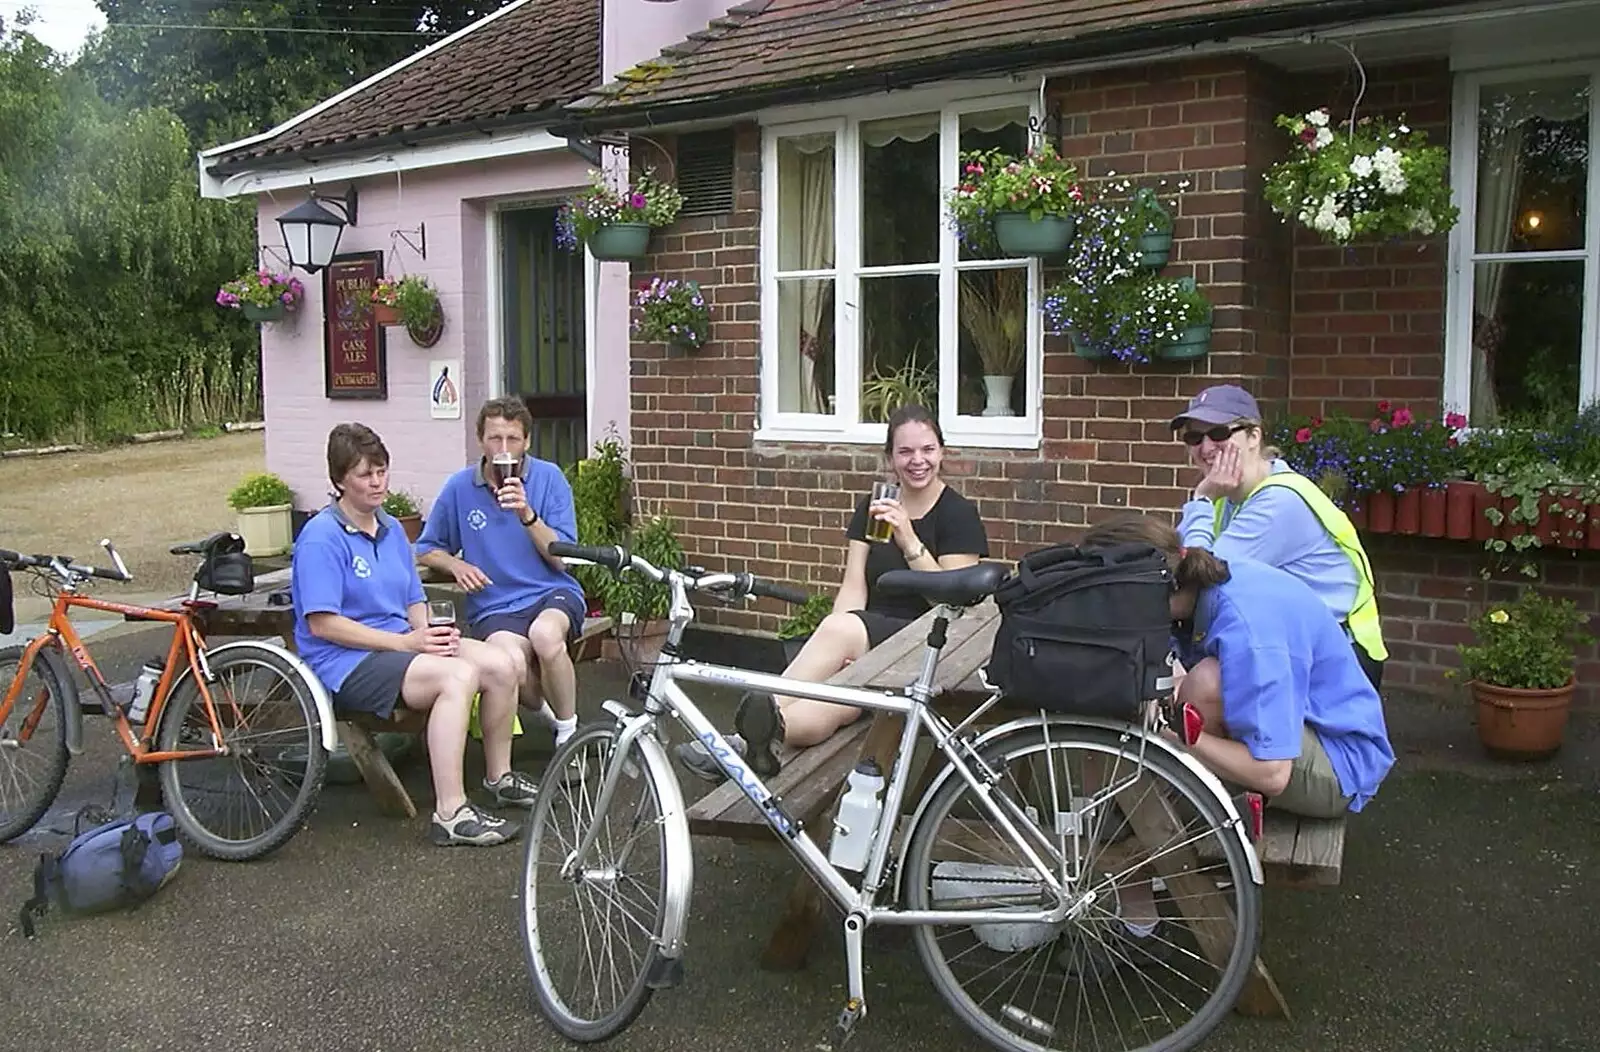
(736, 585)
(63, 566)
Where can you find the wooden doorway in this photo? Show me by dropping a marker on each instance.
(543, 325)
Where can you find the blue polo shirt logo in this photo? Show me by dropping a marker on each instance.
(476, 519)
(359, 567)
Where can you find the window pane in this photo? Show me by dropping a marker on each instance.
(1533, 165)
(805, 345)
(899, 344)
(1005, 130)
(993, 342)
(900, 191)
(805, 202)
(1527, 337)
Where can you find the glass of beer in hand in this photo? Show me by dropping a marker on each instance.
(441, 613)
(506, 466)
(880, 531)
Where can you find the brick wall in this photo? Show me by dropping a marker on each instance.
(1302, 325)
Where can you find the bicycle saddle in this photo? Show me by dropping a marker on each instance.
(967, 586)
(216, 544)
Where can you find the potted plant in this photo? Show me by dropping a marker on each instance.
(911, 383)
(638, 607)
(1103, 256)
(1368, 180)
(994, 311)
(410, 300)
(263, 502)
(1154, 226)
(1022, 206)
(1174, 318)
(1521, 673)
(673, 312)
(403, 507)
(262, 295)
(616, 223)
(600, 504)
(798, 628)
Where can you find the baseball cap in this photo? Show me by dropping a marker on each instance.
(1222, 404)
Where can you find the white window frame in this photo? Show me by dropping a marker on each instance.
(1463, 254)
(1018, 432)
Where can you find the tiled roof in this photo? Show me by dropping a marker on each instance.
(764, 46)
(523, 64)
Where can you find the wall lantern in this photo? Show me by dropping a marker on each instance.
(311, 232)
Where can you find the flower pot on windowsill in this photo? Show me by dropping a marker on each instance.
(266, 531)
(1408, 512)
(1194, 342)
(1019, 234)
(998, 389)
(1518, 724)
(1461, 504)
(1380, 511)
(1155, 249)
(271, 312)
(620, 242)
(383, 314)
(1434, 511)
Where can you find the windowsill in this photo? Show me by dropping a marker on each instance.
(873, 435)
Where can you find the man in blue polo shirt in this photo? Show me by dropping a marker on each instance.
(491, 530)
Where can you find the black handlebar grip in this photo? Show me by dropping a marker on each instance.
(612, 557)
(773, 590)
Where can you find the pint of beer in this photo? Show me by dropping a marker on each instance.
(880, 531)
(506, 466)
(441, 613)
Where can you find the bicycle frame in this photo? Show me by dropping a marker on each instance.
(186, 644)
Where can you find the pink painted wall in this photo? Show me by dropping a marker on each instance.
(456, 203)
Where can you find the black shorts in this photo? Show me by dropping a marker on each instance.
(517, 621)
(374, 685)
(880, 626)
(1373, 668)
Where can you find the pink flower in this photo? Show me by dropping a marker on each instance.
(1375, 425)
(1455, 421)
(1303, 435)
(1402, 418)
(1316, 422)
(637, 201)
(1308, 135)
(1384, 406)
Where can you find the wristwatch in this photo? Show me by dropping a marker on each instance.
(532, 518)
(922, 549)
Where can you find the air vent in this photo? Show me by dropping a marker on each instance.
(705, 172)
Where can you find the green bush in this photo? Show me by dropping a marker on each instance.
(399, 503)
(261, 490)
(1527, 645)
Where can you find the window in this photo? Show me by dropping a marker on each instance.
(1523, 344)
(869, 300)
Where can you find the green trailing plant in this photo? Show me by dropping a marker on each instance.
(261, 490)
(1146, 213)
(673, 311)
(400, 504)
(1530, 644)
(805, 620)
(262, 288)
(412, 295)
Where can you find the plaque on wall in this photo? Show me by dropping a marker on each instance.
(354, 362)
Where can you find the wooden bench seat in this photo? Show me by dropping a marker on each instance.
(806, 785)
(1296, 852)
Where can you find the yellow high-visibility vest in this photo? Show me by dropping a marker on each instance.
(1365, 627)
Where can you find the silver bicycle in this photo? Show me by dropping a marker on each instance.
(1073, 883)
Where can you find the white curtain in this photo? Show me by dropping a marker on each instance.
(816, 253)
(1503, 113)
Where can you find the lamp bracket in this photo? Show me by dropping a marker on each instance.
(346, 203)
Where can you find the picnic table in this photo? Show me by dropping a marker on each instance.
(1294, 852)
(256, 614)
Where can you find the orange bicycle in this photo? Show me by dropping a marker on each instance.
(241, 731)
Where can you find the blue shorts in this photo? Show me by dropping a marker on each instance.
(374, 685)
(517, 621)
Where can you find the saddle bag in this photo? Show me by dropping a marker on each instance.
(117, 865)
(1085, 631)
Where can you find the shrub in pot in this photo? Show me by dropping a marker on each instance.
(798, 628)
(1521, 671)
(264, 504)
(403, 506)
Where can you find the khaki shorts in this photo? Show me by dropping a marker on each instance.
(1313, 789)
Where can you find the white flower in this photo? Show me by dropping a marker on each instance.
(1422, 221)
(1361, 166)
(1404, 130)
(1324, 137)
(1341, 228)
(1319, 118)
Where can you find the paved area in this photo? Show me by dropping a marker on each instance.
(1466, 922)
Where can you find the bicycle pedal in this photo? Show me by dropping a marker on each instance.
(844, 1028)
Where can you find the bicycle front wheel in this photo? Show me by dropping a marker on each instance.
(592, 934)
(1170, 919)
(33, 738)
(250, 801)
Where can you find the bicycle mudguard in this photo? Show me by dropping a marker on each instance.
(8, 607)
(1115, 727)
(319, 693)
(71, 711)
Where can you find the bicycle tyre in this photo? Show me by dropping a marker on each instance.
(310, 774)
(1246, 894)
(568, 1019)
(58, 681)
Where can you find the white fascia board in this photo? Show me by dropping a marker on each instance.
(334, 100)
(394, 159)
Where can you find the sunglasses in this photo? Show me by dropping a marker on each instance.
(1220, 433)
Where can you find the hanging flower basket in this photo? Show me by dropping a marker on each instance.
(1154, 222)
(1084, 349)
(1020, 234)
(411, 301)
(262, 295)
(1015, 206)
(1368, 180)
(673, 312)
(616, 222)
(1193, 342)
(384, 314)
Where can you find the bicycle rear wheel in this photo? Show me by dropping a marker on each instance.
(592, 937)
(33, 739)
(1134, 838)
(249, 802)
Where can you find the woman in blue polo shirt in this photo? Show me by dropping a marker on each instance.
(361, 624)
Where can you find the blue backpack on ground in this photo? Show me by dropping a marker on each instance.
(113, 866)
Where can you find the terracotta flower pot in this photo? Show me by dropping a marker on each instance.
(1460, 499)
(1518, 724)
(1482, 501)
(1380, 512)
(1594, 526)
(1358, 511)
(1408, 512)
(1434, 511)
(383, 314)
(412, 524)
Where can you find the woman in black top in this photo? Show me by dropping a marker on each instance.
(935, 528)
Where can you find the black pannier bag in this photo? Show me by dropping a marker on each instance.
(1085, 631)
